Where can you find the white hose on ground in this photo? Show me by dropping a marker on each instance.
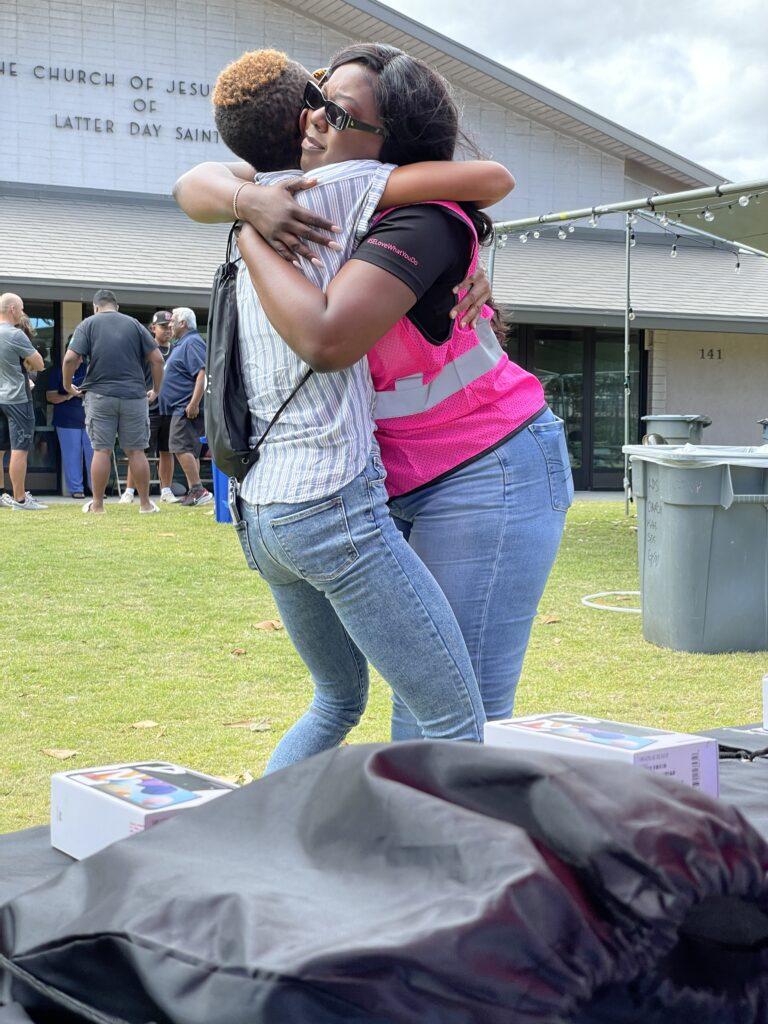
(589, 601)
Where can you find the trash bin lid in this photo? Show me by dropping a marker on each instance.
(696, 456)
(691, 417)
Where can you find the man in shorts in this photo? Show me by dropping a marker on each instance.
(17, 414)
(116, 400)
(159, 425)
(180, 398)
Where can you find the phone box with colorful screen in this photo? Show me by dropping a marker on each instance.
(93, 807)
(681, 756)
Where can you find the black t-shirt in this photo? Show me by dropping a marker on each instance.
(116, 347)
(427, 248)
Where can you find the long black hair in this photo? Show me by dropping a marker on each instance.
(416, 108)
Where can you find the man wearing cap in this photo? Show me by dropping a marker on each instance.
(159, 424)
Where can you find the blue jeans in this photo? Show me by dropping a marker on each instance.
(350, 590)
(489, 534)
(75, 447)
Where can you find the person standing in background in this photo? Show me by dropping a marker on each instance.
(69, 422)
(18, 357)
(180, 398)
(159, 425)
(116, 399)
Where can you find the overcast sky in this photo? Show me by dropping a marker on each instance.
(691, 75)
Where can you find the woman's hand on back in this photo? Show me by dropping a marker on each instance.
(282, 222)
(478, 292)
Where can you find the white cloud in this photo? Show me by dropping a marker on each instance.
(691, 75)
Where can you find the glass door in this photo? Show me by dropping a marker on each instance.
(608, 405)
(557, 357)
(582, 372)
(43, 464)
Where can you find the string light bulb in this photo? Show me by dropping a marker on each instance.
(524, 237)
(593, 221)
(743, 200)
(632, 239)
(737, 268)
(502, 241)
(708, 215)
(631, 314)
(561, 234)
(537, 233)
(673, 254)
(571, 229)
(664, 220)
(633, 218)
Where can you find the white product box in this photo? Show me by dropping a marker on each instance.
(94, 807)
(681, 756)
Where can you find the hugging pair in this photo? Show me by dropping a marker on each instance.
(435, 578)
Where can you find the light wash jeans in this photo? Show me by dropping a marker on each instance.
(489, 534)
(350, 590)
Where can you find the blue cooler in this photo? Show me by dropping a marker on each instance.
(220, 490)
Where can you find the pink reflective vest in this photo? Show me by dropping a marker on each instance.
(439, 406)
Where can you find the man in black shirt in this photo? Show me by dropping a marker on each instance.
(116, 398)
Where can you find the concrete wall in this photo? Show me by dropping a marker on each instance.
(731, 387)
(140, 53)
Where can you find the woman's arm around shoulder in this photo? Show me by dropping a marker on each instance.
(483, 182)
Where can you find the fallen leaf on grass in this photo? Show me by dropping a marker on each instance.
(60, 755)
(252, 725)
(557, 640)
(547, 620)
(269, 624)
(166, 535)
(146, 723)
(237, 780)
(238, 651)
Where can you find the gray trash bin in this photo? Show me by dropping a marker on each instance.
(678, 429)
(703, 546)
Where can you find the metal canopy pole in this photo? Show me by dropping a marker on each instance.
(627, 310)
(492, 258)
(652, 203)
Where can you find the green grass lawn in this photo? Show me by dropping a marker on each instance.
(105, 622)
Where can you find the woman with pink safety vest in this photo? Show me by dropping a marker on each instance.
(477, 465)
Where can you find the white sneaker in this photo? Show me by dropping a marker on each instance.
(169, 497)
(30, 505)
(39, 504)
(126, 497)
(5, 500)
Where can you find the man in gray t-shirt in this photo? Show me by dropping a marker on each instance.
(116, 400)
(17, 415)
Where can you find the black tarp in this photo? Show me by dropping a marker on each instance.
(428, 882)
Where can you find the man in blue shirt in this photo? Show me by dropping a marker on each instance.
(69, 421)
(181, 397)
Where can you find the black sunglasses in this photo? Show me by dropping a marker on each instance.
(336, 116)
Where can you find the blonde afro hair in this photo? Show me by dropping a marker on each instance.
(257, 101)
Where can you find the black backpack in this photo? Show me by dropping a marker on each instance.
(227, 417)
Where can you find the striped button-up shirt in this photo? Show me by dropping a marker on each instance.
(324, 436)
